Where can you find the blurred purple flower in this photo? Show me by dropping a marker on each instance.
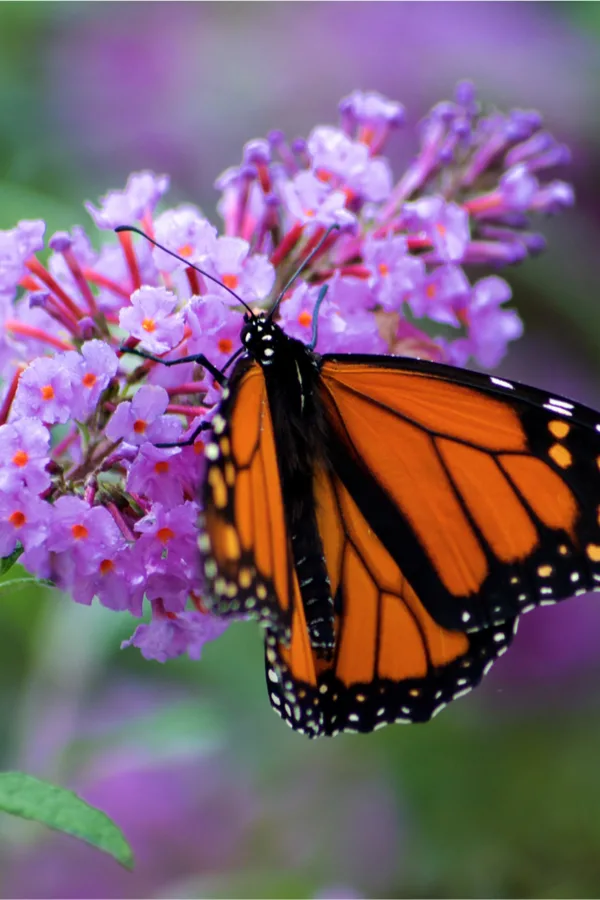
(167, 636)
(138, 200)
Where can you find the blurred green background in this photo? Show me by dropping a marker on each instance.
(500, 796)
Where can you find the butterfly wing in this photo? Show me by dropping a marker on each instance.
(486, 493)
(392, 662)
(244, 541)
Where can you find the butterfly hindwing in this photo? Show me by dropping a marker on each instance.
(485, 492)
(392, 662)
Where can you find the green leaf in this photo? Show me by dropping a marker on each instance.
(30, 798)
(22, 582)
(8, 562)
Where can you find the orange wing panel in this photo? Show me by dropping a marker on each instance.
(404, 461)
(491, 500)
(544, 490)
(435, 405)
(244, 516)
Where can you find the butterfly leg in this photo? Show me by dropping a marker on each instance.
(203, 426)
(198, 358)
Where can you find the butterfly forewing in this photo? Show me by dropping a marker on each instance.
(486, 495)
(244, 541)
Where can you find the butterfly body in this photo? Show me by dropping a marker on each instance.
(387, 520)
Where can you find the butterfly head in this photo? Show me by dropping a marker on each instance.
(261, 337)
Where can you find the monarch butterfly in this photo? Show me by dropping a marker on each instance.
(387, 520)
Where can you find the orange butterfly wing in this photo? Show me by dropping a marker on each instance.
(244, 541)
(392, 662)
(481, 495)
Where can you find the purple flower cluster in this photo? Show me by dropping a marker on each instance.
(86, 495)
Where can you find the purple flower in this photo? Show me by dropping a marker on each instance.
(168, 636)
(215, 329)
(440, 294)
(152, 318)
(23, 519)
(350, 164)
(117, 579)
(171, 531)
(490, 327)
(24, 455)
(95, 367)
(445, 224)
(242, 204)
(167, 544)
(80, 537)
(16, 246)
(370, 110)
(186, 232)
(397, 275)
(46, 389)
(139, 199)
(310, 201)
(159, 473)
(142, 419)
(553, 198)
(518, 188)
(252, 277)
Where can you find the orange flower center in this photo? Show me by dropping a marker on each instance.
(384, 269)
(225, 345)
(431, 291)
(89, 380)
(17, 519)
(47, 392)
(186, 250)
(165, 535)
(162, 467)
(441, 229)
(139, 426)
(305, 318)
(199, 447)
(106, 566)
(21, 458)
(230, 281)
(149, 325)
(80, 532)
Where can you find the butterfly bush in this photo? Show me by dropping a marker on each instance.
(88, 498)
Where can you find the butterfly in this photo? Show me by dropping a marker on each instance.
(387, 520)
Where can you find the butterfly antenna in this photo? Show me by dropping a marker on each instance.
(315, 322)
(301, 268)
(182, 259)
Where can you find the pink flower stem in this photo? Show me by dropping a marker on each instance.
(287, 244)
(37, 333)
(130, 258)
(10, 394)
(37, 269)
(82, 284)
